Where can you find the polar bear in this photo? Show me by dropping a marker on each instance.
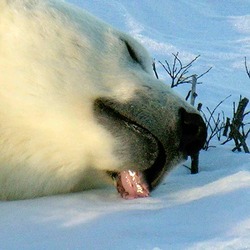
(80, 106)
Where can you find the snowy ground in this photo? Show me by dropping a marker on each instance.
(210, 210)
(205, 211)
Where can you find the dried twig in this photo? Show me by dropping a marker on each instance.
(178, 72)
(178, 75)
(214, 125)
(247, 70)
(237, 132)
(154, 69)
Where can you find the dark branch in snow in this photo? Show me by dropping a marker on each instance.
(214, 125)
(237, 127)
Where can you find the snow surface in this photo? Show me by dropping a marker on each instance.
(210, 210)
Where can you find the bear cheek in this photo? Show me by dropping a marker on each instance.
(136, 147)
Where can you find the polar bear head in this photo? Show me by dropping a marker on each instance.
(79, 104)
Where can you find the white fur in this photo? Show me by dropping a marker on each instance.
(55, 60)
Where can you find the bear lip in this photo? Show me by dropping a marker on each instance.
(152, 175)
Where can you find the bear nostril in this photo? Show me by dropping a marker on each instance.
(190, 128)
(194, 132)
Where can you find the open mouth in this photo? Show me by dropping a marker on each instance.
(131, 183)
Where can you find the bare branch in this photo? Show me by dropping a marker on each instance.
(174, 68)
(216, 107)
(214, 125)
(178, 72)
(191, 62)
(237, 125)
(247, 70)
(168, 69)
(204, 73)
(154, 69)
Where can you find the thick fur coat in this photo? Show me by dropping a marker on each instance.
(56, 61)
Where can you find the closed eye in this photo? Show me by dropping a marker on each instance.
(132, 53)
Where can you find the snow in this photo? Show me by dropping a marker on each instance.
(209, 210)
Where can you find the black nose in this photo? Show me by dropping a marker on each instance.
(194, 132)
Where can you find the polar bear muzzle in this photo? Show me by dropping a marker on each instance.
(148, 157)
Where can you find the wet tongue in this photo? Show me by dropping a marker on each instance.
(130, 185)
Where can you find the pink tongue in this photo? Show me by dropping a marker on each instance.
(130, 185)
